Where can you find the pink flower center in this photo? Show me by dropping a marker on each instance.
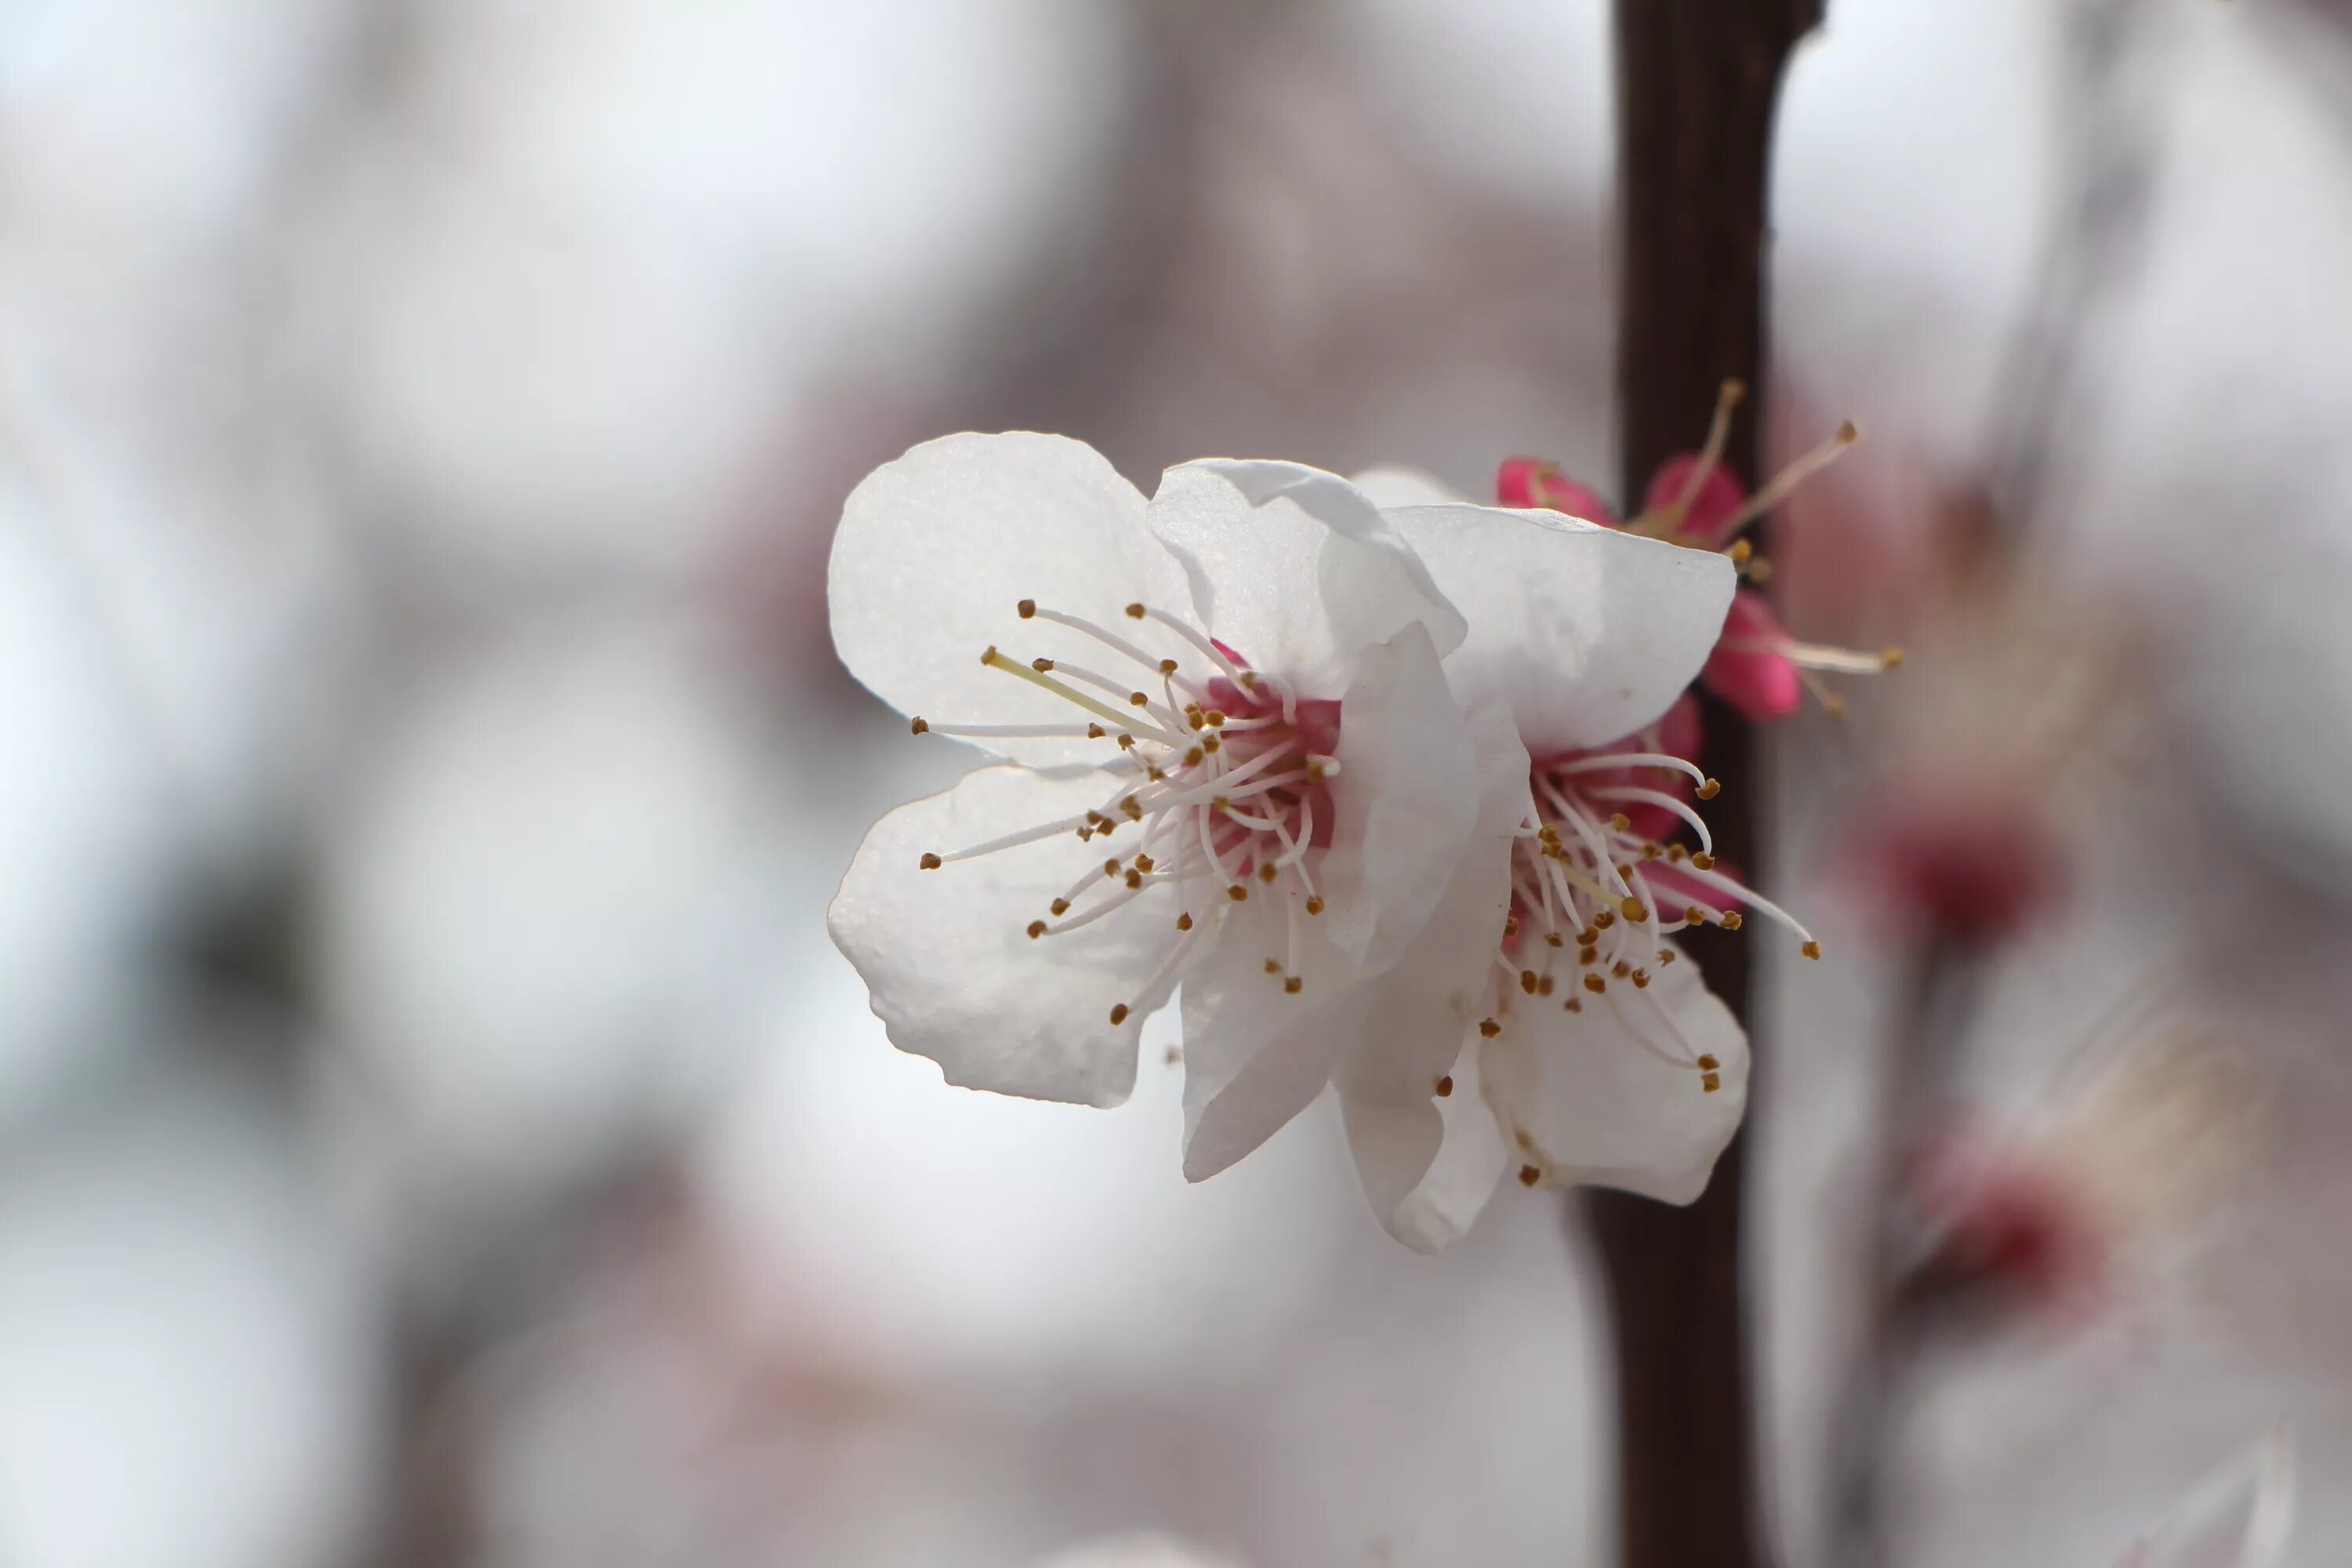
(1596, 888)
(1221, 783)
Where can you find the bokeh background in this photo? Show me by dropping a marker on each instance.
(434, 1126)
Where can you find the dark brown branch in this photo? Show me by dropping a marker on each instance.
(1697, 85)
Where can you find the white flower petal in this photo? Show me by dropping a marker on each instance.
(1586, 1103)
(1141, 1550)
(1421, 1011)
(1471, 1161)
(936, 548)
(945, 953)
(1395, 485)
(1587, 632)
(1293, 569)
(1406, 798)
(1255, 1055)
(2238, 1517)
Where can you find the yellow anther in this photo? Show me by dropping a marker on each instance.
(930, 862)
(1634, 908)
(1553, 938)
(1184, 922)
(1268, 872)
(1588, 955)
(1810, 949)
(1036, 929)
(1694, 914)
(1640, 979)
(1543, 986)
(1135, 612)
(1603, 920)
(1027, 607)
(1529, 1176)
(1274, 966)
(1133, 807)
(1709, 1082)
(1834, 705)
(1651, 851)
(1510, 925)
(1215, 717)
(1621, 822)
(1041, 666)
(1119, 1014)
(1573, 1004)
(1096, 731)
(1890, 658)
(1446, 1085)
(1594, 983)
(1138, 699)
(1527, 981)
(1708, 789)
(1676, 854)
(1740, 551)
(1703, 861)
(1210, 743)
(1060, 907)
(1314, 906)
(1135, 878)
(1291, 986)
(1193, 757)
(988, 655)
(1166, 667)
(1489, 1029)
(921, 725)
(1708, 1064)
(1238, 893)
(1732, 920)
(1110, 867)
(1315, 770)
(1220, 803)
(1666, 956)
(1194, 719)
(1144, 863)
(1621, 969)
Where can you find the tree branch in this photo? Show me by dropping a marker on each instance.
(1698, 81)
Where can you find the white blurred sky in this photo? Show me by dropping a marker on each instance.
(474, 333)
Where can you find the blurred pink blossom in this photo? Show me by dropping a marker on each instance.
(2063, 1218)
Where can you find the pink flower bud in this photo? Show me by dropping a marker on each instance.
(1538, 482)
(1970, 867)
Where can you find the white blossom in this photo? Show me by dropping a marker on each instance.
(1599, 1056)
(1234, 760)
(1231, 760)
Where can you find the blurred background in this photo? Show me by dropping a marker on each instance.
(434, 1126)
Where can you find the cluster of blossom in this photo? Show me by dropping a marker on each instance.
(1393, 784)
